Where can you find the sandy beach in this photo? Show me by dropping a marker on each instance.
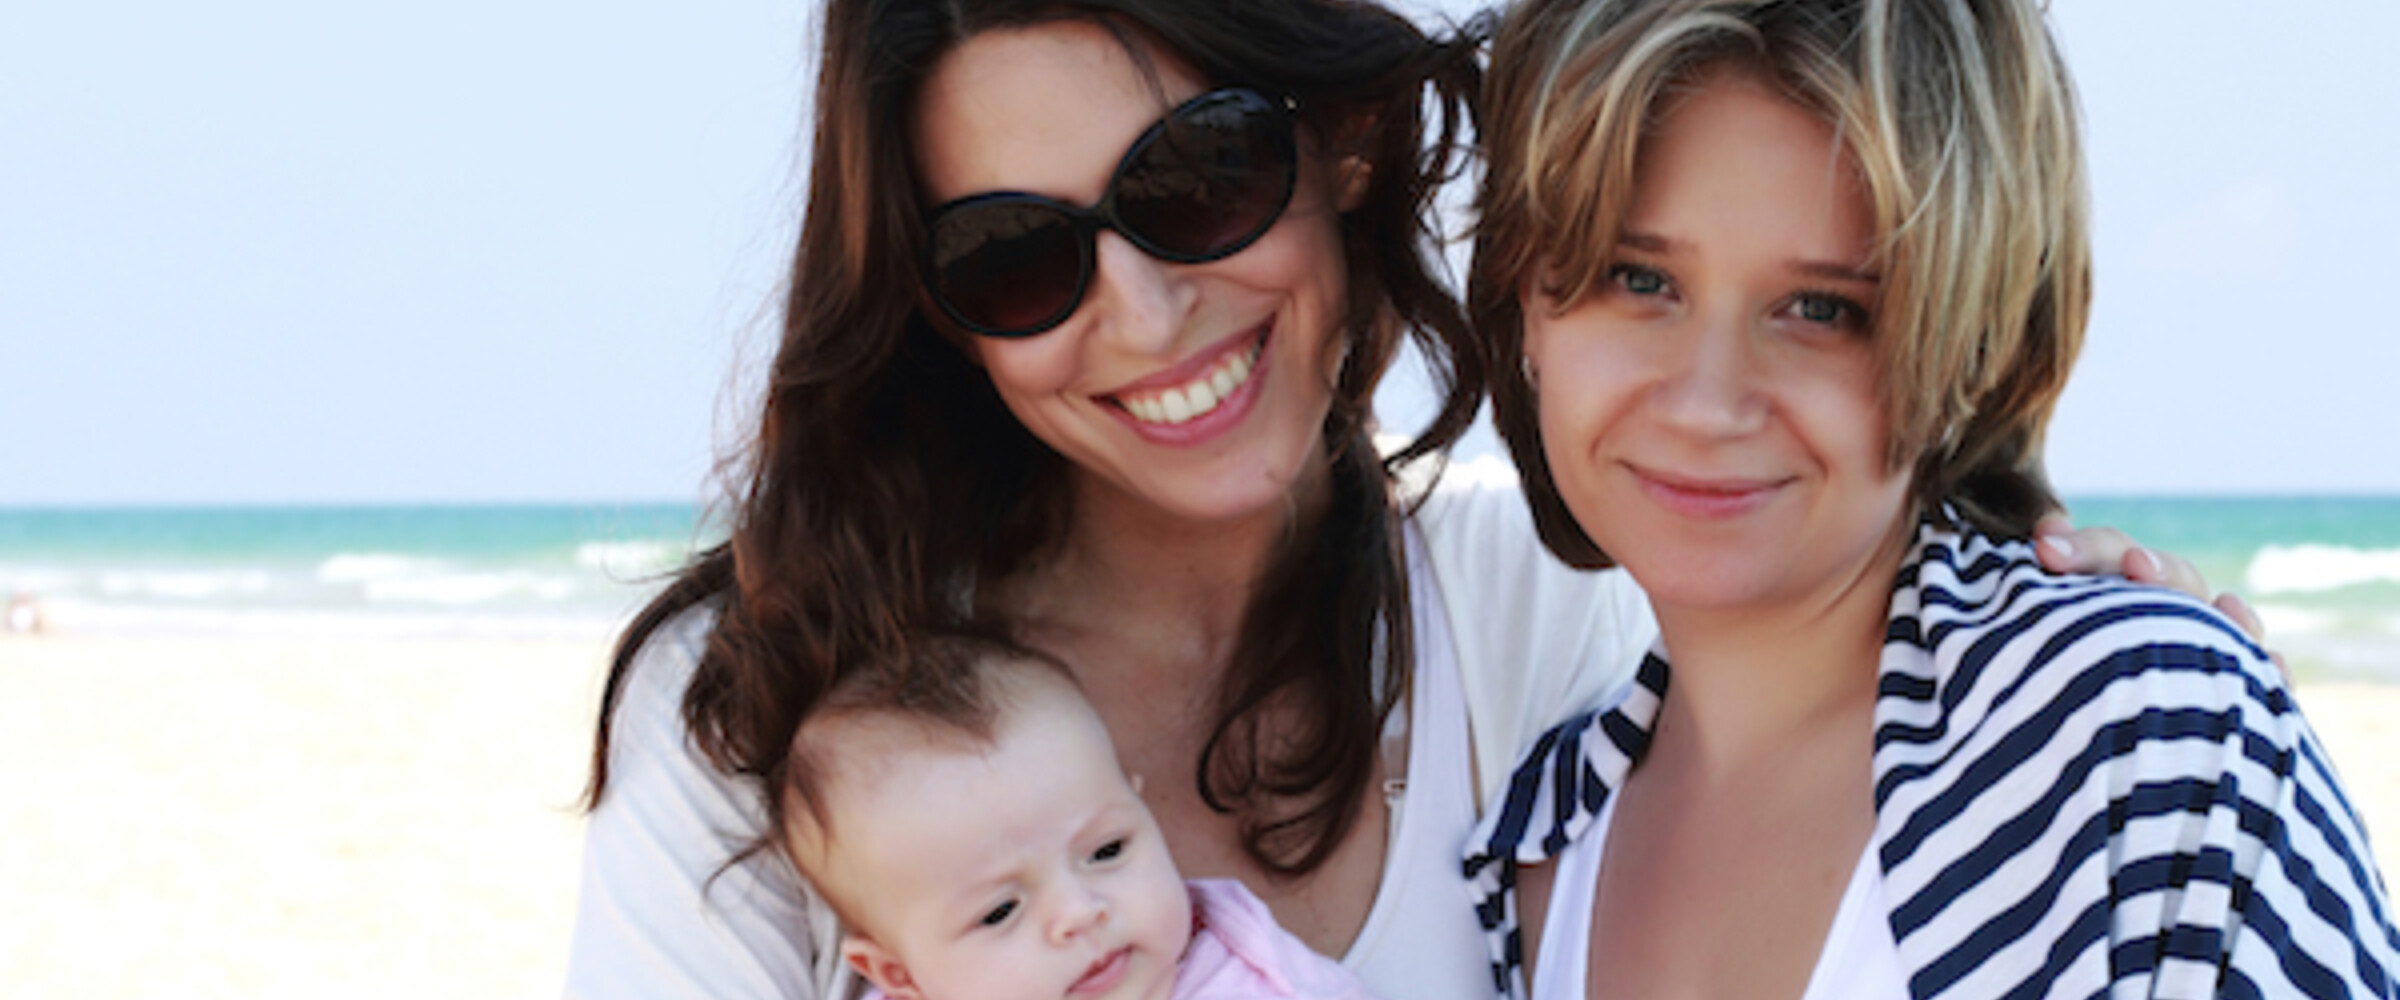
(268, 818)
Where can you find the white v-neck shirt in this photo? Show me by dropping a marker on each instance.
(1508, 642)
(1859, 961)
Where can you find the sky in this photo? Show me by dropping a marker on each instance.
(262, 252)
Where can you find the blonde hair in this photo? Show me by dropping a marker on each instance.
(1961, 121)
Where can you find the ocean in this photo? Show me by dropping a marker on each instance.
(481, 571)
(2323, 571)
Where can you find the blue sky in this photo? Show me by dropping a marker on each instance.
(260, 251)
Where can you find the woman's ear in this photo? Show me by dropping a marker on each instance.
(881, 967)
(1353, 175)
(1353, 163)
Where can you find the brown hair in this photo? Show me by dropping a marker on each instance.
(951, 687)
(886, 477)
(1962, 123)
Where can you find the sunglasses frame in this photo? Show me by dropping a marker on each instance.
(1278, 130)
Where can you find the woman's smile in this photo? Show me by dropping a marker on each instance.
(1707, 497)
(1200, 397)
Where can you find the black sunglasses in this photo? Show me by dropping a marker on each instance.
(1201, 184)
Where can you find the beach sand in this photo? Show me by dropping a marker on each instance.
(269, 818)
(290, 818)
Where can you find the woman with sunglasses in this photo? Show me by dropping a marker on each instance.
(1087, 314)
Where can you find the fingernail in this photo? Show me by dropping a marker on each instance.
(2060, 545)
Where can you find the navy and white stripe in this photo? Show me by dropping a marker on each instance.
(2083, 787)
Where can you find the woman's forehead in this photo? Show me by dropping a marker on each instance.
(1047, 108)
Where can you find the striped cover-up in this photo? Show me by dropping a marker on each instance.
(2083, 788)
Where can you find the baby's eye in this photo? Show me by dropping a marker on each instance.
(998, 914)
(1637, 279)
(1110, 851)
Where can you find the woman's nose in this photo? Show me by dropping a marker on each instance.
(1142, 301)
(1708, 383)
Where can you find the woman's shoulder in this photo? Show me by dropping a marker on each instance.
(1983, 610)
(1479, 536)
(1535, 639)
(670, 904)
(1995, 666)
(663, 663)
(2069, 744)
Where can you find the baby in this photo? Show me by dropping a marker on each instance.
(966, 816)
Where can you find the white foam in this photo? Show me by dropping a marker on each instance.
(457, 590)
(73, 617)
(186, 585)
(2288, 569)
(628, 560)
(2285, 620)
(365, 567)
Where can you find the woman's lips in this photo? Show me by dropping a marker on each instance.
(1710, 498)
(1195, 387)
(1200, 398)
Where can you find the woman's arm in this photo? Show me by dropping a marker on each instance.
(660, 915)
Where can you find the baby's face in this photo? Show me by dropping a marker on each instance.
(1029, 871)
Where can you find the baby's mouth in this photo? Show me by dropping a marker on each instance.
(1103, 974)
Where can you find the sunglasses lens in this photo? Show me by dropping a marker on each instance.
(1213, 178)
(1006, 267)
(1198, 186)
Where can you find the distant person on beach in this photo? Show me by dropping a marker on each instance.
(25, 614)
(1780, 297)
(967, 816)
(1085, 321)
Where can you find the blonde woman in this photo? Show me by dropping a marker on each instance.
(1779, 297)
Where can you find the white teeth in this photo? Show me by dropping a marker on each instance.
(1203, 396)
(1198, 397)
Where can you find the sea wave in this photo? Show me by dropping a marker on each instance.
(2304, 569)
(80, 617)
(470, 588)
(630, 559)
(368, 567)
(186, 584)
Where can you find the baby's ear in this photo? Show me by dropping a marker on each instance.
(880, 967)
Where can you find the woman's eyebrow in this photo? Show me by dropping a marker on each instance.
(1831, 271)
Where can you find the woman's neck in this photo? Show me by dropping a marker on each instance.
(1750, 680)
(1127, 568)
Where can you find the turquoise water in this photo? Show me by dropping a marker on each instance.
(426, 568)
(2325, 572)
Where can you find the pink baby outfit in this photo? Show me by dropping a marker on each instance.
(1238, 952)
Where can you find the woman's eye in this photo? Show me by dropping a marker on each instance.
(998, 914)
(1829, 310)
(1637, 280)
(1110, 851)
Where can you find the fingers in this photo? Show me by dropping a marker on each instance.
(2232, 606)
(2165, 569)
(2064, 548)
(2052, 544)
(2086, 551)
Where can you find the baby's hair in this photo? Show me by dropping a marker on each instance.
(946, 688)
(1962, 122)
